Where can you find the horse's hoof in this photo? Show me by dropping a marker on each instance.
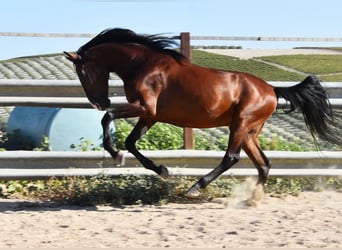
(257, 196)
(251, 203)
(164, 172)
(120, 158)
(193, 192)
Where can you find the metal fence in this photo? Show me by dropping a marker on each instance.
(44, 164)
(69, 93)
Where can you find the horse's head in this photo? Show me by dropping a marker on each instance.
(94, 78)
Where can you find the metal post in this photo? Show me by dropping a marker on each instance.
(188, 136)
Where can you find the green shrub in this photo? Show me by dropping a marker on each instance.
(164, 136)
(276, 143)
(85, 145)
(296, 185)
(159, 137)
(150, 189)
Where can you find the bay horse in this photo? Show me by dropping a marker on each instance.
(161, 85)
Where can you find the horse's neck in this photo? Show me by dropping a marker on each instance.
(122, 59)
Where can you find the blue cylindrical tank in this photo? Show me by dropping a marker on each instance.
(62, 126)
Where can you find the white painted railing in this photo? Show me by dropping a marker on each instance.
(44, 164)
(69, 93)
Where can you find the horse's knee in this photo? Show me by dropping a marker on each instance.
(106, 119)
(231, 160)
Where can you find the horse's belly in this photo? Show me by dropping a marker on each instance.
(194, 120)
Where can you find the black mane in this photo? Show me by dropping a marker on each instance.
(119, 35)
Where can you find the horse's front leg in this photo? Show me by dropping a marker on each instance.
(126, 111)
(139, 130)
(121, 111)
(107, 139)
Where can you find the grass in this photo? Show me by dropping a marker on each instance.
(328, 48)
(331, 78)
(310, 64)
(262, 70)
(151, 189)
(328, 67)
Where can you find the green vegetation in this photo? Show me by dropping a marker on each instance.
(327, 67)
(310, 64)
(151, 189)
(85, 145)
(327, 48)
(263, 70)
(129, 189)
(332, 78)
(334, 48)
(168, 137)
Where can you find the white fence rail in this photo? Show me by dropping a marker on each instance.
(210, 38)
(40, 165)
(69, 93)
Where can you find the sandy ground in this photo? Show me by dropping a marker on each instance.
(310, 220)
(250, 53)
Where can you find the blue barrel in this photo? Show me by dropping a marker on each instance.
(63, 127)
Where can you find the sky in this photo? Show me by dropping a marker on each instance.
(276, 18)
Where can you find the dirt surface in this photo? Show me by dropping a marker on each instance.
(310, 220)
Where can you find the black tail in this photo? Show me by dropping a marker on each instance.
(312, 100)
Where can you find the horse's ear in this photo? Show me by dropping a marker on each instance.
(74, 57)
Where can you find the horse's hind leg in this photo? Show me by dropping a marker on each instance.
(251, 147)
(232, 156)
(139, 130)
